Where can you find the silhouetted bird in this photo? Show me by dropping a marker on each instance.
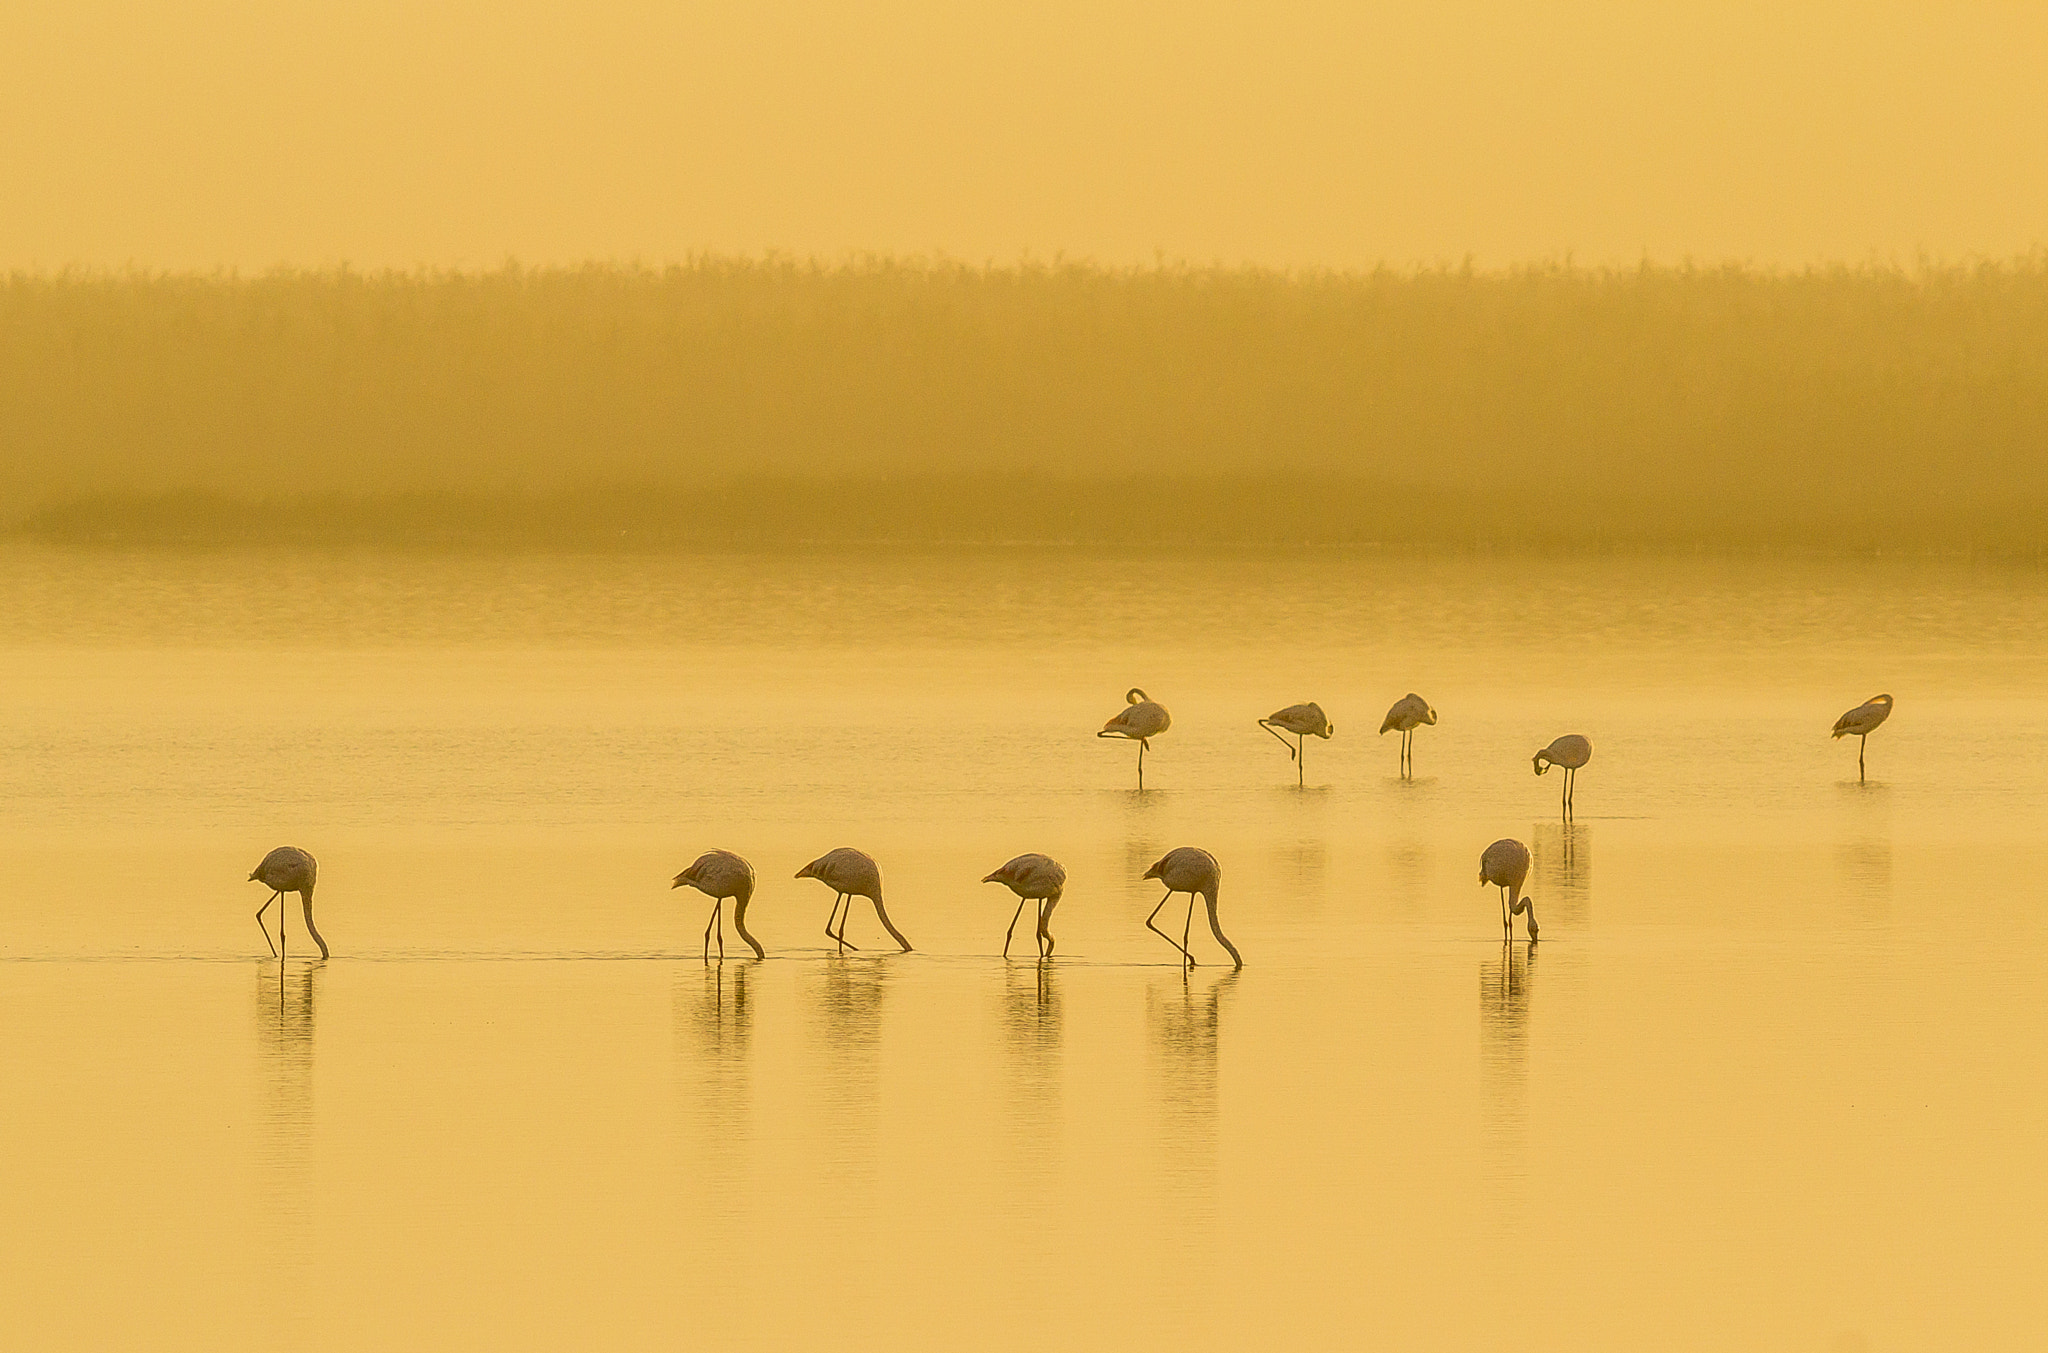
(1032, 877)
(850, 873)
(720, 874)
(287, 870)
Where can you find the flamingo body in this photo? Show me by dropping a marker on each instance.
(1304, 721)
(1505, 865)
(1861, 722)
(851, 873)
(1195, 872)
(1568, 753)
(1032, 877)
(1409, 713)
(719, 875)
(1142, 720)
(288, 870)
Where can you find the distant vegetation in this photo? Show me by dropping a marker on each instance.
(769, 401)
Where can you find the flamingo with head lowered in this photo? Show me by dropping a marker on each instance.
(1569, 753)
(720, 874)
(287, 870)
(1033, 877)
(850, 873)
(1194, 872)
(1505, 864)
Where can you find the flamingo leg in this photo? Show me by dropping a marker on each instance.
(264, 928)
(1267, 724)
(843, 900)
(1141, 762)
(717, 906)
(1861, 739)
(1162, 934)
(1300, 760)
(1187, 931)
(1013, 927)
(1045, 942)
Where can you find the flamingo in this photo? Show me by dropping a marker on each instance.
(1863, 721)
(1145, 719)
(1505, 864)
(1300, 720)
(719, 874)
(850, 873)
(287, 870)
(1409, 712)
(1191, 871)
(1031, 877)
(1570, 752)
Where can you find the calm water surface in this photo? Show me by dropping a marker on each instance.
(1773, 1079)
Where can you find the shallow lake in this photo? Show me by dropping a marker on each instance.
(1774, 1077)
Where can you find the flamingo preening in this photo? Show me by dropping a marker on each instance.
(720, 874)
(1568, 753)
(1032, 877)
(1863, 721)
(1505, 864)
(1409, 712)
(1191, 871)
(287, 870)
(1145, 719)
(1303, 721)
(850, 873)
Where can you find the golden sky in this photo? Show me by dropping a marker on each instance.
(460, 132)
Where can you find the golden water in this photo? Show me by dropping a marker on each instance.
(1773, 1078)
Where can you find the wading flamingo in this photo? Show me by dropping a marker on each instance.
(1863, 721)
(719, 874)
(1145, 719)
(850, 873)
(1505, 864)
(1410, 712)
(1032, 877)
(1191, 871)
(1302, 721)
(287, 870)
(1569, 753)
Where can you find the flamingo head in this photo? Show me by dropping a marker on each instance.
(1429, 717)
(1154, 871)
(1541, 761)
(1134, 696)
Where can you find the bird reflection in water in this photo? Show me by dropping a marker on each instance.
(1863, 871)
(1504, 990)
(1032, 1024)
(1184, 1018)
(714, 1037)
(286, 1003)
(1564, 872)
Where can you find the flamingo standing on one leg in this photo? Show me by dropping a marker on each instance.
(1408, 713)
(1569, 752)
(1863, 721)
(1191, 871)
(1145, 719)
(850, 873)
(1302, 721)
(719, 874)
(1032, 877)
(1505, 864)
(287, 870)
